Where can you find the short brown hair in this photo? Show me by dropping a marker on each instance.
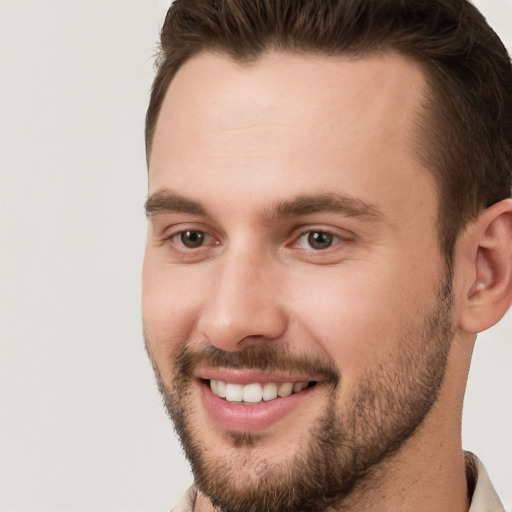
(466, 138)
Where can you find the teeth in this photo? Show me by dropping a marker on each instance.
(252, 393)
(221, 389)
(269, 391)
(299, 386)
(285, 389)
(255, 393)
(234, 392)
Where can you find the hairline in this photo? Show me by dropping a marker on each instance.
(248, 60)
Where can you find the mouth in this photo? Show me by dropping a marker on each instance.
(256, 392)
(253, 401)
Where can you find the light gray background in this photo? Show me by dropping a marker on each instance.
(81, 424)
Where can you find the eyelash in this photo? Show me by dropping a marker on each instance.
(318, 236)
(178, 238)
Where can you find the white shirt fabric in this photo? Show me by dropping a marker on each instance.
(484, 499)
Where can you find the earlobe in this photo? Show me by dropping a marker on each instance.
(489, 293)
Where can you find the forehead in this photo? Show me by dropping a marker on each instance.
(288, 87)
(310, 121)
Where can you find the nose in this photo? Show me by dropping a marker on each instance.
(244, 306)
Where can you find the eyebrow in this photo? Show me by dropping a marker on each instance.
(168, 202)
(318, 203)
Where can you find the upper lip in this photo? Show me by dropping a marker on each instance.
(246, 376)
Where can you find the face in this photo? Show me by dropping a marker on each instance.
(296, 307)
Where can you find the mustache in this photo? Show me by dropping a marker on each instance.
(264, 357)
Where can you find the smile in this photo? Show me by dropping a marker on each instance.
(251, 400)
(256, 392)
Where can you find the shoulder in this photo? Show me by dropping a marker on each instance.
(186, 502)
(484, 496)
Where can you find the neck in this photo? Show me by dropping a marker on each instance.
(428, 472)
(415, 479)
(433, 481)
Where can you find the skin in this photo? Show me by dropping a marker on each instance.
(238, 140)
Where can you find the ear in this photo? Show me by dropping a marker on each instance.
(488, 248)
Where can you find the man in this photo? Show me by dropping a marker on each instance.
(330, 226)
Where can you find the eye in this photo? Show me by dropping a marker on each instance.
(317, 240)
(191, 239)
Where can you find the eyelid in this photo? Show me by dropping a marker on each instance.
(338, 234)
(170, 235)
(207, 237)
(172, 227)
(332, 240)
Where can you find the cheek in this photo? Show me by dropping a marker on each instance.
(170, 305)
(359, 317)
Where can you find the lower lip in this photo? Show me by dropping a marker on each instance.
(234, 417)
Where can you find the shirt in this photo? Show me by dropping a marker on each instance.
(484, 496)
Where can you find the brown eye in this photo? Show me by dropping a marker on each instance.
(192, 239)
(317, 240)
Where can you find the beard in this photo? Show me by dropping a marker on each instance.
(344, 447)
